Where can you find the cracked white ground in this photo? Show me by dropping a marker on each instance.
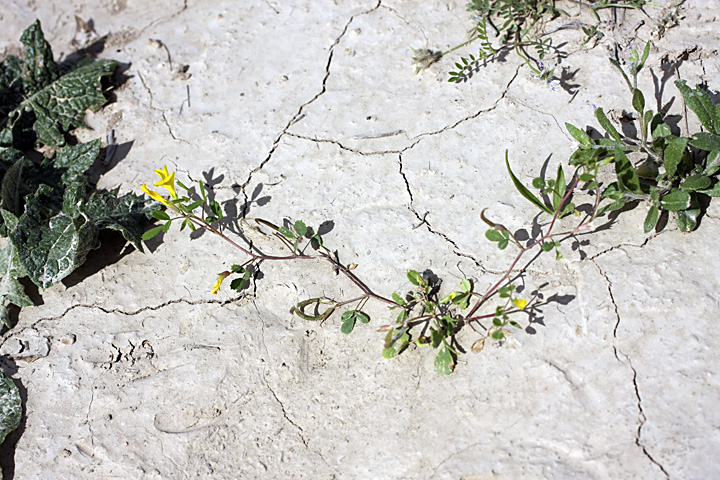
(312, 110)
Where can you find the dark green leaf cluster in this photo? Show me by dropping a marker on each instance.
(45, 210)
(438, 325)
(39, 103)
(673, 173)
(51, 222)
(10, 406)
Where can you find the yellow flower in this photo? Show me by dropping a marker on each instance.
(167, 180)
(216, 287)
(520, 303)
(156, 196)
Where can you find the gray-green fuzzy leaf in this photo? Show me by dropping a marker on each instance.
(706, 141)
(675, 201)
(10, 406)
(605, 123)
(627, 177)
(674, 154)
(700, 103)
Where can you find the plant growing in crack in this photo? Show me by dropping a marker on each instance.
(675, 174)
(424, 318)
(50, 220)
(501, 26)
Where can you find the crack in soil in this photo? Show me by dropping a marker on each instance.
(284, 412)
(621, 245)
(159, 110)
(642, 418)
(299, 113)
(15, 332)
(272, 391)
(421, 136)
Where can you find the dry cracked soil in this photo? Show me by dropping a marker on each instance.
(132, 369)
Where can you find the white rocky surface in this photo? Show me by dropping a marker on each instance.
(132, 369)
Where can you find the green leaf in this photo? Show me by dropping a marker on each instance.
(498, 335)
(547, 246)
(619, 67)
(40, 69)
(645, 54)
(559, 190)
(627, 177)
(538, 183)
(687, 219)
(495, 235)
(638, 100)
(10, 406)
(128, 214)
(160, 215)
(300, 228)
(504, 292)
(75, 160)
(466, 286)
(580, 135)
(706, 141)
(152, 233)
(502, 244)
(11, 188)
(661, 130)
(287, 233)
(11, 290)
(524, 191)
(61, 105)
(50, 250)
(444, 361)
(414, 278)
(676, 200)
(651, 219)
(398, 299)
(362, 317)
(616, 205)
(216, 209)
(348, 319)
(700, 102)
(605, 123)
(203, 194)
(673, 155)
(713, 192)
(389, 353)
(237, 284)
(696, 182)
